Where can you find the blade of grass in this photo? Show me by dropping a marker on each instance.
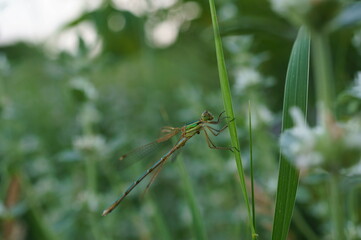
(296, 93)
(227, 101)
(162, 231)
(198, 224)
(251, 161)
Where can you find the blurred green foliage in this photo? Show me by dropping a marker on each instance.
(67, 117)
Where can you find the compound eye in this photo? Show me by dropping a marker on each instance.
(207, 116)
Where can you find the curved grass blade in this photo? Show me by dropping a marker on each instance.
(227, 101)
(251, 165)
(296, 94)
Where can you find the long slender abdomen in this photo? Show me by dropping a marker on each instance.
(146, 173)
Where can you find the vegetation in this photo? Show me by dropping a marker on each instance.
(66, 117)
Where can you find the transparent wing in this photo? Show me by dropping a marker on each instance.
(159, 169)
(147, 150)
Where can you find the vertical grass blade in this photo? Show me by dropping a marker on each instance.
(227, 101)
(198, 225)
(296, 93)
(251, 161)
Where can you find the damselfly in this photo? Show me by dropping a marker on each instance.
(204, 124)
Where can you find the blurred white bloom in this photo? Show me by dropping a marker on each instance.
(356, 89)
(353, 129)
(186, 215)
(89, 143)
(298, 143)
(89, 115)
(83, 86)
(7, 108)
(164, 32)
(271, 185)
(228, 11)
(4, 65)
(29, 144)
(90, 199)
(353, 230)
(335, 146)
(245, 78)
(261, 115)
(240, 47)
(355, 170)
(230, 166)
(356, 40)
(286, 6)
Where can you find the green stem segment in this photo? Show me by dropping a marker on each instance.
(325, 88)
(323, 75)
(251, 161)
(336, 207)
(198, 224)
(227, 101)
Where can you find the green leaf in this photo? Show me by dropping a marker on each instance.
(227, 101)
(296, 93)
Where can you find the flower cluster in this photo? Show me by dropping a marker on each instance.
(332, 147)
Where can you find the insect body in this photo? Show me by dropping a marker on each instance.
(204, 124)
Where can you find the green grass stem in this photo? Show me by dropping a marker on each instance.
(251, 163)
(336, 208)
(321, 57)
(198, 224)
(323, 70)
(227, 101)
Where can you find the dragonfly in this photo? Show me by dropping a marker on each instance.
(205, 124)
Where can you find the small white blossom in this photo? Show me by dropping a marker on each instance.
(5, 67)
(354, 230)
(299, 142)
(355, 170)
(308, 147)
(89, 143)
(356, 88)
(89, 115)
(83, 85)
(246, 78)
(285, 6)
(90, 199)
(261, 115)
(29, 144)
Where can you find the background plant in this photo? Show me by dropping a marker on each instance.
(67, 117)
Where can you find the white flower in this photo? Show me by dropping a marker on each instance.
(88, 115)
(308, 147)
(89, 143)
(90, 199)
(83, 85)
(296, 10)
(299, 143)
(283, 6)
(246, 78)
(356, 88)
(4, 65)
